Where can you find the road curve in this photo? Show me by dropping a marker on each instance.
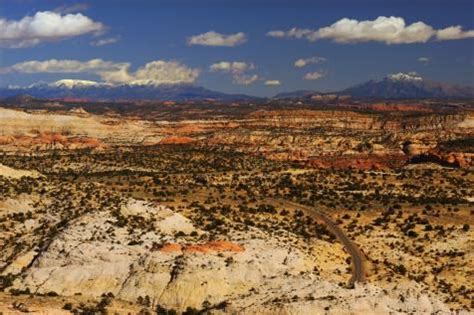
(357, 257)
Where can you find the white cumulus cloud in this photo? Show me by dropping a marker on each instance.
(163, 72)
(212, 38)
(388, 30)
(272, 82)
(45, 26)
(231, 66)
(453, 32)
(65, 66)
(153, 73)
(238, 69)
(245, 79)
(313, 75)
(276, 34)
(303, 62)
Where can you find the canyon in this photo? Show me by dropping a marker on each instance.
(181, 207)
(322, 138)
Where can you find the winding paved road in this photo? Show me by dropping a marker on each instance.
(357, 257)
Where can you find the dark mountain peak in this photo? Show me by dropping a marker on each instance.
(408, 85)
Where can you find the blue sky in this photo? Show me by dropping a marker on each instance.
(140, 32)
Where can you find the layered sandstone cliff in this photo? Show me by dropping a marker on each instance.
(321, 138)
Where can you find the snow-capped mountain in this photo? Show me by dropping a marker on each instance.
(399, 85)
(408, 77)
(76, 84)
(104, 91)
(408, 85)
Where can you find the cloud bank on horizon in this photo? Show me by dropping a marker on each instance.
(152, 73)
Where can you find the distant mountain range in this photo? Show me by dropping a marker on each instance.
(395, 86)
(103, 91)
(295, 94)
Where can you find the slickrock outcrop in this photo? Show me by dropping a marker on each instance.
(93, 256)
(314, 297)
(14, 173)
(214, 246)
(257, 274)
(49, 141)
(44, 131)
